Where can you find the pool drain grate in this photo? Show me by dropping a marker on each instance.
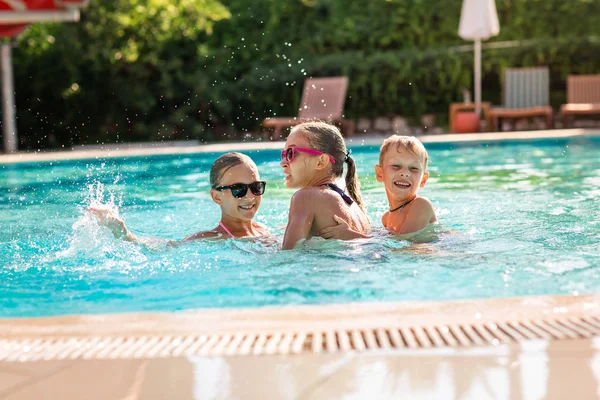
(417, 337)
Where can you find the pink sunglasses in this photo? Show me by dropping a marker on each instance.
(289, 153)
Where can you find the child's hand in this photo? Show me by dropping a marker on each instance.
(113, 222)
(341, 231)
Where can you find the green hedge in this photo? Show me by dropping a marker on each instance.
(206, 70)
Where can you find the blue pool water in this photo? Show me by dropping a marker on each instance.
(515, 219)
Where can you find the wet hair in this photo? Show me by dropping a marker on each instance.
(225, 162)
(409, 143)
(327, 138)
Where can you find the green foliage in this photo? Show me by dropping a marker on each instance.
(128, 71)
(157, 69)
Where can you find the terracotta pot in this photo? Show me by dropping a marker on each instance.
(466, 122)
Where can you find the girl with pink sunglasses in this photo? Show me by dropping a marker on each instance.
(312, 160)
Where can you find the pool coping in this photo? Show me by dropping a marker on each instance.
(369, 140)
(302, 329)
(305, 317)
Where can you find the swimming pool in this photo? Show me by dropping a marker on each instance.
(515, 219)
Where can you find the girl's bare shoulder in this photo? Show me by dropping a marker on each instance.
(214, 233)
(312, 198)
(261, 227)
(307, 193)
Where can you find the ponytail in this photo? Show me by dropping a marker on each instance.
(328, 139)
(352, 183)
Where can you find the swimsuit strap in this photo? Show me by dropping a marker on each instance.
(400, 207)
(226, 230)
(335, 188)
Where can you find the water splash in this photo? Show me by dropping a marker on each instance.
(91, 241)
(100, 197)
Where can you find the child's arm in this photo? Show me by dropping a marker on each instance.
(117, 226)
(341, 231)
(420, 214)
(113, 222)
(300, 219)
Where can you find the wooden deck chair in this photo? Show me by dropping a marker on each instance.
(322, 98)
(583, 96)
(526, 94)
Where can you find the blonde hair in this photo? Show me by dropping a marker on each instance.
(409, 143)
(225, 162)
(328, 139)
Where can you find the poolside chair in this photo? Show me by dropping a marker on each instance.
(526, 94)
(322, 98)
(583, 96)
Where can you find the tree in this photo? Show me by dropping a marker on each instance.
(129, 70)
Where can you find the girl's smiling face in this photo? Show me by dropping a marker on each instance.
(239, 208)
(402, 173)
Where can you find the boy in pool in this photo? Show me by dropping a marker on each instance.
(235, 186)
(403, 170)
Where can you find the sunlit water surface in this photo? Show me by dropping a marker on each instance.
(514, 219)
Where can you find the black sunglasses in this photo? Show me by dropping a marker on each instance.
(240, 190)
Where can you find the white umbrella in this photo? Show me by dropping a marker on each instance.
(478, 20)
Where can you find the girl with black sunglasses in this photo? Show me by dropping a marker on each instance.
(235, 186)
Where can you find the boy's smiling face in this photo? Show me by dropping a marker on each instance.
(402, 173)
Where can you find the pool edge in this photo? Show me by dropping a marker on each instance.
(116, 152)
(302, 329)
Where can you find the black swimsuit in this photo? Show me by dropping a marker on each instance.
(400, 207)
(335, 188)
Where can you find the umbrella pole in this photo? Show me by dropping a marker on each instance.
(9, 125)
(477, 73)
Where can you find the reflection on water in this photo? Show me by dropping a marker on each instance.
(517, 219)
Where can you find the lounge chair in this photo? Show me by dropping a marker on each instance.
(526, 94)
(583, 96)
(322, 98)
